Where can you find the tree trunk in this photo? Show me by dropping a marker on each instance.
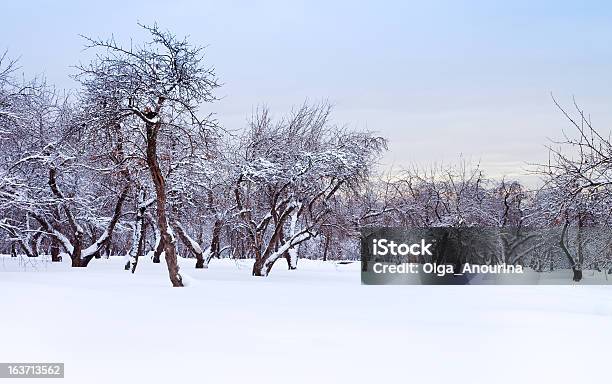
(55, 251)
(85, 260)
(77, 262)
(326, 247)
(137, 234)
(94, 236)
(215, 242)
(577, 272)
(159, 249)
(264, 261)
(292, 253)
(200, 264)
(141, 244)
(36, 239)
(191, 245)
(260, 268)
(158, 246)
(579, 240)
(139, 248)
(292, 257)
(160, 190)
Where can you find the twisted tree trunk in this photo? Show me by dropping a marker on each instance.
(167, 238)
(576, 268)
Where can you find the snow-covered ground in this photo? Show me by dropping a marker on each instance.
(313, 325)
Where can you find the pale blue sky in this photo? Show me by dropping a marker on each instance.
(438, 78)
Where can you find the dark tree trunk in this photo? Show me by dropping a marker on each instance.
(94, 236)
(141, 243)
(196, 251)
(85, 260)
(290, 265)
(288, 259)
(160, 190)
(34, 244)
(138, 234)
(576, 269)
(260, 268)
(55, 250)
(77, 262)
(579, 240)
(326, 247)
(158, 251)
(215, 243)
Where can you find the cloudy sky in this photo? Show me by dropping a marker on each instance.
(439, 79)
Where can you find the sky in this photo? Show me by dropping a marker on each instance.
(441, 80)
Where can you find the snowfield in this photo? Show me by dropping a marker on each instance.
(316, 324)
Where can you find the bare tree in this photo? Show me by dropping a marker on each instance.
(578, 178)
(159, 84)
(288, 172)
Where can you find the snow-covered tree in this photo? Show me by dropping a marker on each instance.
(578, 186)
(154, 92)
(287, 173)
